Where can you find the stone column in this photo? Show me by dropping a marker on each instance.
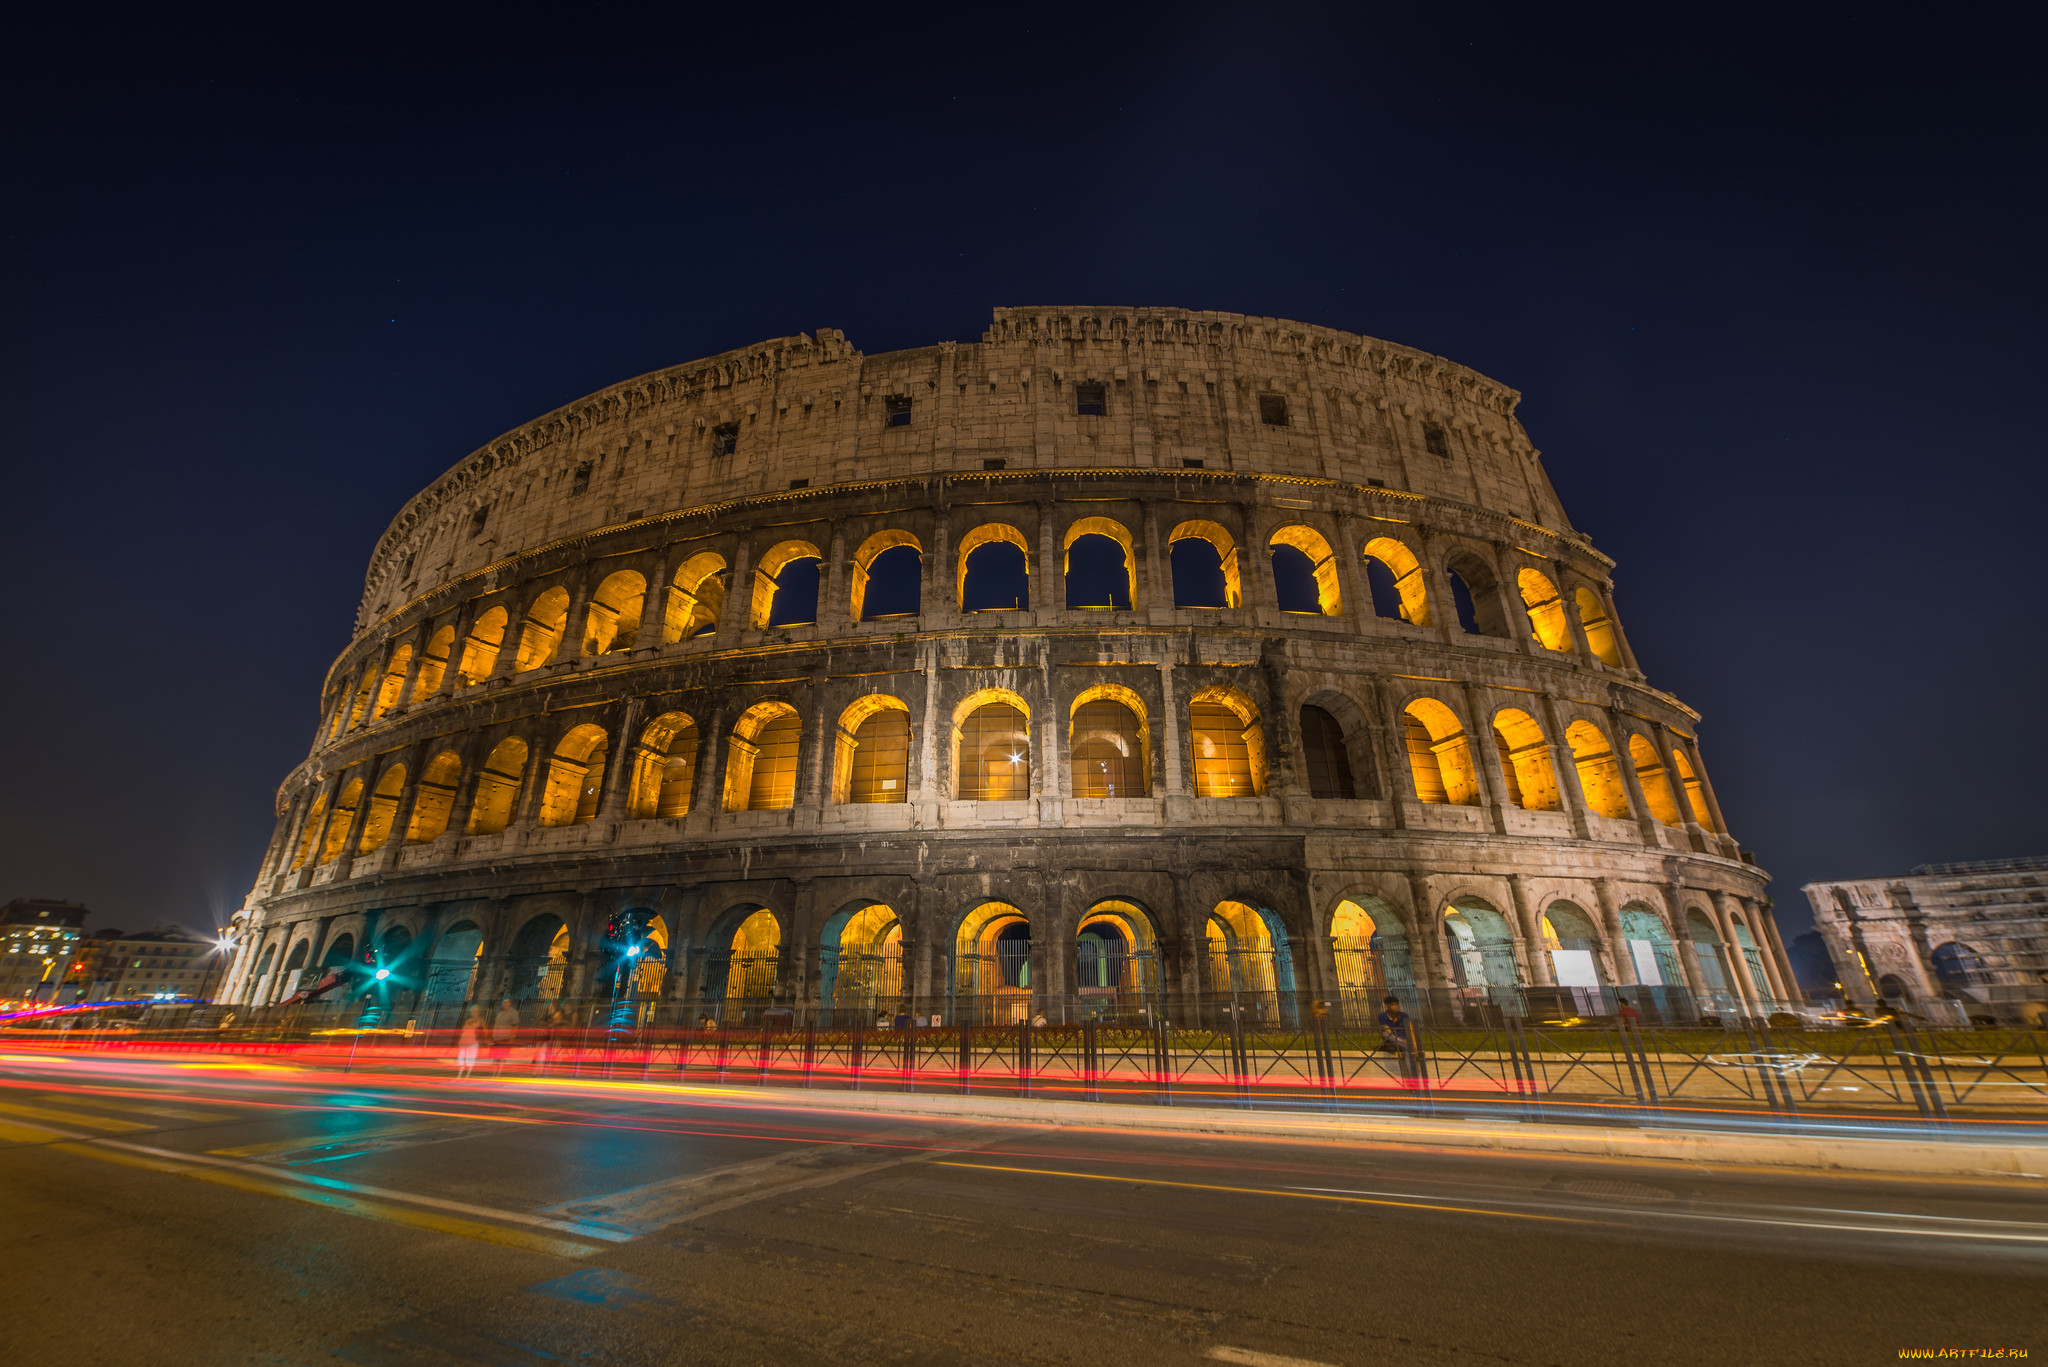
(1776, 954)
(1569, 794)
(538, 753)
(735, 617)
(575, 625)
(1401, 795)
(585, 939)
(464, 622)
(1742, 980)
(1259, 600)
(619, 762)
(1174, 773)
(1765, 945)
(1529, 923)
(1486, 759)
(1617, 738)
(1622, 963)
(421, 635)
(1560, 575)
(1628, 656)
(1681, 938)
(835, 607)
(654, 608)
(1428, 940)
(1048, 584)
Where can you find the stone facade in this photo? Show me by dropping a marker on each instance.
(1971, 933)
(553, 735)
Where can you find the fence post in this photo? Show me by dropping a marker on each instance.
(810, 1053)
(966, 1058)
(1162, 1060)
(1024, 1057)
(910, 1056)
(856, 1052)
(1088, 1061)
(1635, 1034)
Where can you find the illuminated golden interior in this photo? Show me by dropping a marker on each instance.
(986, 963)
(1650, 774)
(1439, 754)
(394, 681)
(1240, 950)
(480, 648)
(1599, 631)
(664, 767)
(1226, 551)
(871, 762)
(863, 564)
(1311, 543)
(992, 747)
(311, 832)
(1409, 581)
(383, 810)
(756, 948)
(760, 767)
(870, 963)
(542, 631)
(1115, 945)
(613, 622)
(575, 779)
(1599, 773)
(1226, 746)
(343, 817)
(434, 663)
(695, 599)
(497, 787)
(1546, 611)
(436, 800)
(1351, 930)
(1695, 791)
(1108, 745)
(1525, 761)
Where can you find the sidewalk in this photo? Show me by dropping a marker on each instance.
(1905, 1156)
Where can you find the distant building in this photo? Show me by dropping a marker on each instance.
(38, 941)
(1972, 933)
(169, 963)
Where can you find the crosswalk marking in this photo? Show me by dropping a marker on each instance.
(96, 1122)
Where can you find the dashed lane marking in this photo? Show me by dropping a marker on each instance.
(1252, 1357)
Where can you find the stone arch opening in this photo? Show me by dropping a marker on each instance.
(1369, 949)
(1545, 609)
(343, 817)
(1439, 754)
(860, 964)
(613, 621)
(786, 586)
(1100, 568)
(1394, 575)
(316, 817)
(1695, 791)
(696, 598)
(452, 970)
(394, 681)
(1475, 592)
(1248, 970)
(994, 569)
(1525, 761)
(1482, 952)
(383, 810)
(743, 961)
(1593, 620)
(1707, 951)
(1109, 745)
(888, 577)
(575, 780)
(538, 960)
(497, 787)
(435, 801)
(664, 768)
(1203, 558)
(434, 663)
(1116, 960)
(1958, 967)
(541, 633)
(761, 758)
(1650, 949)
(1305, 572)
(1226, 745)
(1655, 784)
(992, 979)
(992, 747)
(480, 648)
(1599, 772)
(871, 762)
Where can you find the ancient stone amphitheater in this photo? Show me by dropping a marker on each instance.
(1126, 662)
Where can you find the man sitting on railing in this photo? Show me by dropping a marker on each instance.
(1397, 1030)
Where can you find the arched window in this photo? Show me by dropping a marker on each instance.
(451, 969)
(1546, 612)
(1396, 579)
(1482, 947)
(992, 748)
(1370, 951)
(1707, 950)
(1568, 936)
(613, 622)
(1327, 758)
(480, 648)
(1247, 959)
(1226, 748)
(1476, 594)
(434, 664)
(992, 963)
(1525, 761)
(860, 969)
(1099, 569)
(1439, 754)
(259, 981)
(760, 764)
(1650, 948)
(1116, 956)
(1305, 572)
(394, 681)
(1205, 573)
(1107, 744)
(756, 954)
(1599, 630)
(665, 767)
(497, 787)
(542, 631)
(359, 705)
(436, 800)
(383, 810)
(344, 816)
(315, 818)
(995, 569)
(696, 597)
(872, 761)
(786, 586)
(1599, 773)
(1957, 966)
(575, 783)
(1695, 793)
(1650, 774)
(888, 577)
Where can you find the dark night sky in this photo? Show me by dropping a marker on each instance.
(1770, 281)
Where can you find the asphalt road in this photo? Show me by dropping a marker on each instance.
(218, 1212)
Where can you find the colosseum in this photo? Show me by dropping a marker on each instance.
(1127, 662)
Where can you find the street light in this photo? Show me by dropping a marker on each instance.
(381, 974)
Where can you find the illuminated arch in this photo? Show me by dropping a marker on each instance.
(542, 631)
(1407, 580)
(1707, 950)
(1593, 620)
(696, 598)
(394, 681)
(761, 759)
(754, 956)
(435, 801)
(1247, 954)
(1525, 760)
(860, 968)
(1655, 784)
(1109, 744)
(434, 663)
(1116, 950)
(871, 761)
(613, 621)
(992, 747)
(497, 787)
(359, 704)
(1439, 754)
(1475, 592)
(1482, 945)
(1226, 745)
(383, 810)
(1599, 773)
(315, 816)
(992, 954)
(343, 817)
(1112, 530)
(991, 534)
(664, 768)
(480, 648)
(1695, 791)
(575, 779)
(1546, 611)
(1370, 949)
(1650, 948)
(864, 559)
(769, 601)
(1573, 946)
(1225, 546)
(1322, 563)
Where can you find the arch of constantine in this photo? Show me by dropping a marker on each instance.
(1125, 662)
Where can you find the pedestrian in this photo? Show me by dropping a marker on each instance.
(1320, 1012)
(1397, 1034)
(1631, 1019)
(506, 1031)
(466, 1043)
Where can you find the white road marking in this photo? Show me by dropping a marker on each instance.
(1251, 1357)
